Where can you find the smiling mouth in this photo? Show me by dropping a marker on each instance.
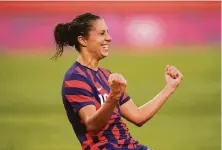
(105, 46)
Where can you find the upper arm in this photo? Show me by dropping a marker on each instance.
(80, 95)
(86, 112)
(130, 112)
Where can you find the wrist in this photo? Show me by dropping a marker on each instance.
(169, 89)
(114, 97)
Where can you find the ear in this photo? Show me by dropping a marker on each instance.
(82, 41)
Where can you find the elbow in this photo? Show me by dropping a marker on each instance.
(92, 129)
(140, 121)
(139, 124)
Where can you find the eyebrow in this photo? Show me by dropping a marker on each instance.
(104, 30)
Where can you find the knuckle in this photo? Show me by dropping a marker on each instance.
(114, 79)
(114, 74)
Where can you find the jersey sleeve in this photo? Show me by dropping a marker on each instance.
(78, 92)
(124, 98)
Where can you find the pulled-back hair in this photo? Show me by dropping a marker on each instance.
(66, 34)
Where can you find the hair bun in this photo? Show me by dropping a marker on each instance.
(66, 34)
(61, 34)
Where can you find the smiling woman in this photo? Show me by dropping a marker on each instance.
(95, 99)
(86, 30)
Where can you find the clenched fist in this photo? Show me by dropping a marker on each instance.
(173, 76)
(117, 85)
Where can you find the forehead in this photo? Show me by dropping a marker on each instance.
(99, 24)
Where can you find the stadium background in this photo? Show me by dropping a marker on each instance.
(146, 37)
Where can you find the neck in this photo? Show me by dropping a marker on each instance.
(88, 61)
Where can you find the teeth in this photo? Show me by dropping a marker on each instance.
(105, 46)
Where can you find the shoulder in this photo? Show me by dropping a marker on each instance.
(75, 82)
(75, 71)
(75, 75)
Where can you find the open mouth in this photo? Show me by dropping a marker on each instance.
(105, 46)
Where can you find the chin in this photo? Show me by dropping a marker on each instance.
(105, 54)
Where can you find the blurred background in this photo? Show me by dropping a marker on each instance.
(146, 37)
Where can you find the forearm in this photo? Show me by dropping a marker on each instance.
(98, 121)
(149, 109)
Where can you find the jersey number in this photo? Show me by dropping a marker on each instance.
(103, 98)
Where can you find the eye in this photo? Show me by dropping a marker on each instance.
(102, 33)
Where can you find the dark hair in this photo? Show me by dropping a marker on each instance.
(66, 34)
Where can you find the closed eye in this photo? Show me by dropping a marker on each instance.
(103, 32)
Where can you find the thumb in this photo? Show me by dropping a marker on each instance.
(167, 67)
(178, 80)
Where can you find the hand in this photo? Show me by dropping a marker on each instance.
(173, 77)
(117, 85)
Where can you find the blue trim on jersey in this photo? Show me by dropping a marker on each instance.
(78, 105)
(77, 91)
(124, 101)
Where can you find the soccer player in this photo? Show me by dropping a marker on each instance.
(94, 98)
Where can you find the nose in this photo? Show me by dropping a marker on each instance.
(108, 38)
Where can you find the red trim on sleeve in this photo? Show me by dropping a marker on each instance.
(78, 84)
(79, 98)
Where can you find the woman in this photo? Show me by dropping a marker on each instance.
(94, 98)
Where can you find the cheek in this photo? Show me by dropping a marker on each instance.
(95, 46)
(92, 43)
(95, 42)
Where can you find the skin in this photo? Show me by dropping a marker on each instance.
(92, 51)
(140, 115)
